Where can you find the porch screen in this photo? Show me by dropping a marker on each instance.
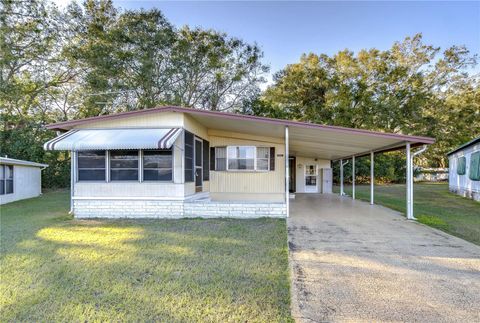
(474, 173)
(461, 162)
(189, 138)
(91, 165)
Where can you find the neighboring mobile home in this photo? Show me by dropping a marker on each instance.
(19, 179)
(464, 170)
(182, 162)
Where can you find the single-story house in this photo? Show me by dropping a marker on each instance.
(182, 162)
(464, 170)
(19, 179)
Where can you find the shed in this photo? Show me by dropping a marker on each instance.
(464, 170)
(19, 179)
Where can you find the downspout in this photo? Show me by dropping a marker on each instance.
(418, 152)
(72, 178)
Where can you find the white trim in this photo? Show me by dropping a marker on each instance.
(353, 177)
(287, 172)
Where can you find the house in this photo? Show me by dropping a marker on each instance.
(464, 170)
(19, 179)
(181, 162)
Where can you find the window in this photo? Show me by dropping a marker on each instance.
(91, 165)
(241, 158)
(124, 165)
(311, 175)
(6, 179)
(474, 173)
(220, 158)
(157, 165)
(461, 163)
(263, 157)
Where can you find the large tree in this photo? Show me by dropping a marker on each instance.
(412, 88)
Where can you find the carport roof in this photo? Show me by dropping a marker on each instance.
(306, 139)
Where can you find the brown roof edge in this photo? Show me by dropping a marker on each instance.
(228, 115)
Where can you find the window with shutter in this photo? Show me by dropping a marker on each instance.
(474, 173)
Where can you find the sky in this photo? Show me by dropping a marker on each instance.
(285, 30)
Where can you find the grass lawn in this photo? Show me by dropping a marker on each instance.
(434, 205)
(54, 268)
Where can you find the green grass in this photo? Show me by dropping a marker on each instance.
(434, 205)
(54, 268)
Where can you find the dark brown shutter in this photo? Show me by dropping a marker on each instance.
(212, 158)
(272, 158)
(206, 160)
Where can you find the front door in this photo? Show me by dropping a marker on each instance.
(198, 165)
(311, 175)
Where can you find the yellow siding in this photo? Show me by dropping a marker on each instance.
(245, 181)
(164, 119)
(195, 127)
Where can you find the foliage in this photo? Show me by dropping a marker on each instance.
(412, 88)
(54, 268)
(94, 58)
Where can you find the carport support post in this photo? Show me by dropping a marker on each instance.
(72, 178)
(353, 177)
(372, 177)
(341, 178)
(287, 174)
(408, 182)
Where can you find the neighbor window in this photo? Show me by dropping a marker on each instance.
(461, 163)
(6, 179)
(157, 165)
(91, 165)
(474, 173)
(241, 158)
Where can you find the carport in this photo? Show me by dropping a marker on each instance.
(346, 145)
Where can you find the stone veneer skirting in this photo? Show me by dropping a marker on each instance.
(114, 208)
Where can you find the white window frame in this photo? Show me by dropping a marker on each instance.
(4, 166)
(255, 168)
(107, 169)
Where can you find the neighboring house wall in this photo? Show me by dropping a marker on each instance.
(462, 184)
(301, 163)
(27, 183)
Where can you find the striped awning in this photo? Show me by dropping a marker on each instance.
(106, 139)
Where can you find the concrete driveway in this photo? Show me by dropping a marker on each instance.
(355, 262)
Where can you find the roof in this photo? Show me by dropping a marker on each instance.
(307, 139)
(11, 161)
(109, 139)
(465, 145)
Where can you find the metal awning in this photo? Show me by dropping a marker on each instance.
(106, 139)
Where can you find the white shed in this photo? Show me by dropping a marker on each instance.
(19, 179)
(464, 170)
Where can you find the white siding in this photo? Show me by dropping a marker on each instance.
(301, 162)
(27, 183)
(462, 184)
